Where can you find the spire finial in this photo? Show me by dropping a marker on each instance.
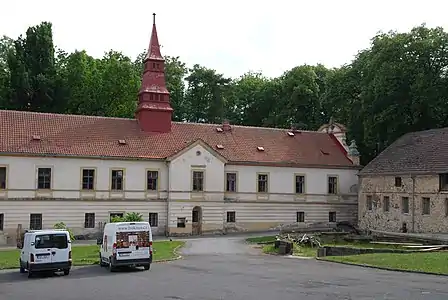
(154, 18)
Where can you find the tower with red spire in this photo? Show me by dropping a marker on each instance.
(154, 111)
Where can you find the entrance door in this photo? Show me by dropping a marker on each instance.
(196, 227)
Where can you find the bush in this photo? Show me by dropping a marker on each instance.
(129, 217)
(61, 225)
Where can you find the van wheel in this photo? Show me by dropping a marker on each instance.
(66, 272)
(30, 274)
(111, 267)
(22, 270)
(102, 264)
(147, 267)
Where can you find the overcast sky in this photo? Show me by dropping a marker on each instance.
(230, 36)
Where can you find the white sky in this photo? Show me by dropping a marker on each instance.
(230, 36)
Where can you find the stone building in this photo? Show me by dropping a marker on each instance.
(185, 178)
(407, 185)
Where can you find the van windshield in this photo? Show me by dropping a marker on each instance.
(53, 240)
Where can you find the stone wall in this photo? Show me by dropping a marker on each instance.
(392, 220)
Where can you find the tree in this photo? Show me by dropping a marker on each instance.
(129, 217)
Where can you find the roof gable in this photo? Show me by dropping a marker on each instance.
(194, 144)
(415, 152)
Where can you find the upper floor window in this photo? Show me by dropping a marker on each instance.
(3, 172)
(405, 205)
(117, 180)
(198, 181)
(152, 180)
(332, 185)
(398, 182)
(88, 179)
(231, 182)
(300, 184)
(262, 183)
(443, 182)
(44, 178)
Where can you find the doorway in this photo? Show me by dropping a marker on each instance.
(196, 226)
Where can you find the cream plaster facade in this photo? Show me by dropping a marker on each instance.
(376, 217)
(173, 198)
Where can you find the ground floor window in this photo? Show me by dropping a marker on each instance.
(300, 217)
(35, 221)
(89, 220)
(181, 222)
(231, 217)
(154, 219)
(332, 216)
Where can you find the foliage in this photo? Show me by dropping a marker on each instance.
(61, 225)
(400, 74)
(128, 217)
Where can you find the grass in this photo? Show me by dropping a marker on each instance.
(89, 255)
(261, 239)
(432, 262)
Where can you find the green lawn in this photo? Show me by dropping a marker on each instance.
(88, 255)
(434, 262)
(261, 239)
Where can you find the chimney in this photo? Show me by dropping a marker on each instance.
(226, 125)
(154, 111)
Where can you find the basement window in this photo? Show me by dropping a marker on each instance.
(219, 129)
(443, 182)
(220, 146)
(290, 133)
(259, 148)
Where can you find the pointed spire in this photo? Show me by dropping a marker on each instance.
(154, 46)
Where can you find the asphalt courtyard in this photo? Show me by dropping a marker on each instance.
(226, 268)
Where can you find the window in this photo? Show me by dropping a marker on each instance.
(397, 181)
(117, 180)
(446, 207)
(154, 219)
(300, 217)
(332, 185)
(300, 184)
(405, 205)
(181, 222)
(198, 181)
(55, 240)
(114, 214)
(231, 217)
(44, 178)
(89, 220)
(88, 179)
(2, 221)
(2, 178)
(262, 183)
(332, 217)
(152, 178)
(426, 206)
(231, 182)
(386, 203)
(35, 221)
(443, 182)
(369, 202)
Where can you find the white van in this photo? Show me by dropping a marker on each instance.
(46, 250)
(126, 244)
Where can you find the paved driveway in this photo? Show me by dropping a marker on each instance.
(225, 268)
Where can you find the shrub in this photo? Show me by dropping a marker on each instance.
(61, 225)
(129, 217)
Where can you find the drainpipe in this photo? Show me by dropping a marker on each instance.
(413, 203)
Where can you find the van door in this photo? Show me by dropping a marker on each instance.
(41, 249)
(133, 245)
(60, 248)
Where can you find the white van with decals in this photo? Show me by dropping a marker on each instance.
(126, 244)
(46, 250)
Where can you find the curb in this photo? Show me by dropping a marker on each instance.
(380, 268)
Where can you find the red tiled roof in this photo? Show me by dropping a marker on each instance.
(88, 136)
